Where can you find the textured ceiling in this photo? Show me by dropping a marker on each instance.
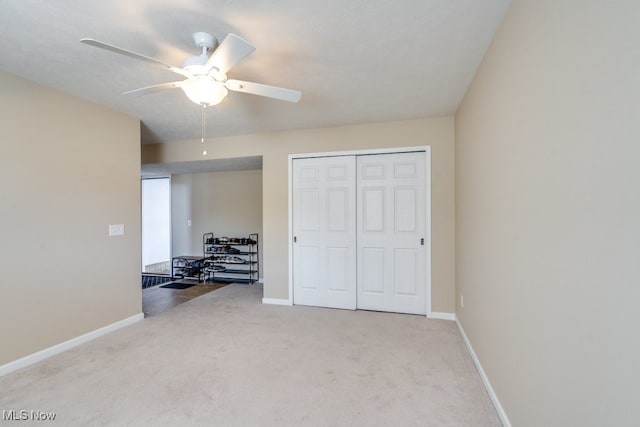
(355, 61)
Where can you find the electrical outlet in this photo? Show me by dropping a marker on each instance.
(461, 301)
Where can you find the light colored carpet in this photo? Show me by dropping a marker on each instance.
(225, 359)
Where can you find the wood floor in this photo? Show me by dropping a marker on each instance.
(156, 299)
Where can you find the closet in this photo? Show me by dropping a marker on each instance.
(360, 232)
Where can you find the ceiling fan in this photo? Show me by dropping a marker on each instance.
(206, 80)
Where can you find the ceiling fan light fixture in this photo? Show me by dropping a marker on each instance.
(206, 80)
(204, 90)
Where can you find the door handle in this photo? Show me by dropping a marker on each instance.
(295, 239)
(422, 241)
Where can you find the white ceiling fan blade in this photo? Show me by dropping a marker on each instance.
(153, 89)
(134, 55)
(264, 90)
(231, 51)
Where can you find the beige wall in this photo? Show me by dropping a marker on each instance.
(224, 203)
(68, 169)
(275, 148)
(548, 213)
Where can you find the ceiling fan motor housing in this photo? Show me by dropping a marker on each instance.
(195, 65)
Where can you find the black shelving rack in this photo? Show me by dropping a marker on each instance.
(231, 259)
(187, 267)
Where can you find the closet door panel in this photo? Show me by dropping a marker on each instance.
(391, 221)
(324, 248)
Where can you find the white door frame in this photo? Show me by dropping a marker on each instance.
(427, 152)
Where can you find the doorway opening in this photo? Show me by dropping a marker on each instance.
(220, 196)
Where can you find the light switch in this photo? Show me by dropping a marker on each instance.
(188, 223)
(116, 229)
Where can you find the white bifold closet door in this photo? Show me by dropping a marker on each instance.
(391, 217)
(324, 229)
(359, 227)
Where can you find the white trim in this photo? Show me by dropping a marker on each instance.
(361, 152)
(442, 316)
(485, 380)
(428, 172)
(276, 301)
(290, 226)
(419, 148)
(64, 346)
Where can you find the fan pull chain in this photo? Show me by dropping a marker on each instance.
(204, 127)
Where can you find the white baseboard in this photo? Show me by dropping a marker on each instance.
(485, 380)
(276, 301)
(442, 316)
(59, 348)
